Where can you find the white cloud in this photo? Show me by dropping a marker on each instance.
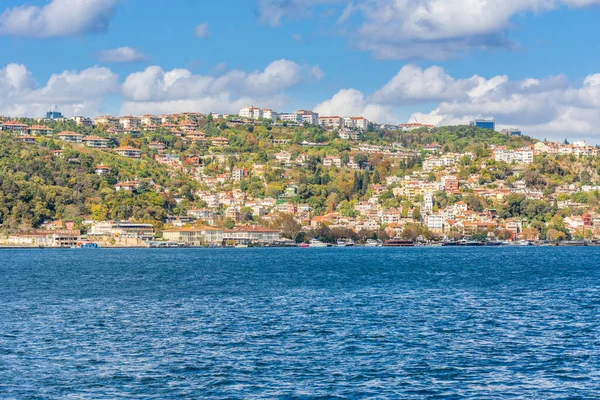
(351, 102)
(430, 29)
(180, 89)
(58, 18)
(201, 31)
(73, 92)
(551, 107)
(124, 55)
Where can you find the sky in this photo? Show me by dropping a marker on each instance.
(530, 64)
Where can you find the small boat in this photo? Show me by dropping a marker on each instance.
(317, 243)
(86, 244)
(522, 243)
(469, 243)
(372, 243)
(241, 246)
(345, 243)
(304, 245)
(493, 243)
(398, 243)
(450, 243)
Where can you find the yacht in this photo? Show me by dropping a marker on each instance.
(317, 243)
(372, 243)
(345, 243)
(523, 243)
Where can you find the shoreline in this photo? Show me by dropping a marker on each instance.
(570, 245)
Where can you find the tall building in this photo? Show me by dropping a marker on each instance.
(484, 124)
(54, 114)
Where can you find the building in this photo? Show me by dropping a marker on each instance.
(294, 118)
(150, 120)
(122, 229)
(55, 238)
(129, 123)
(428, 201)
(270, 114)
(361, 123)
(103, 170)
(15, 127)
(128, 151)
(70, 137)
(251, 235)
(82, 121)
(40, 130)
(219, 141)
(238, 174)
(333, 122)
(331, 161)
(512, 132)
(484, 124)
(435, 222)
(107, 121)
(450, 183)
(27, 139)
(52, 115)
(129, 186)
(309, 117)
(251, 112)
(523, 155)
(95, 142)
(201, 236)
(347, 134)
(158, 146)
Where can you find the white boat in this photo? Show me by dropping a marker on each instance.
(372, 243)
(317, 243)
(522, 243)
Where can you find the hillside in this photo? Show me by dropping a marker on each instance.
(37, 184)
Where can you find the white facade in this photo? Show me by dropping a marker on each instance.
(251, 112)
(434, 221)
(270, 114)
(291, 117)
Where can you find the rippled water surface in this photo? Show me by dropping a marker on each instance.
(300, 323)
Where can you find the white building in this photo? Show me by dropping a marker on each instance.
(270, 114)
(428, 201)
(434, 221)
(333, 122)
(309, 116)
(361, 123)
(251, 112)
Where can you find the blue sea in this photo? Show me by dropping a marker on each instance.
(403, 323)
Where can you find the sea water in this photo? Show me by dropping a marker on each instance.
(300, 323)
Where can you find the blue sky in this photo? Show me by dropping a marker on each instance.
(528, 63)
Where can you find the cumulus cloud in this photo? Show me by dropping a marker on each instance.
(180, 89)
(552, 107)
(430, 29)
(201, 31)
(58, 18)
(72, 91)
(351, 102)
(123, 55)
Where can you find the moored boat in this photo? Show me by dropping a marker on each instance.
(317, 243)
(86, 244)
